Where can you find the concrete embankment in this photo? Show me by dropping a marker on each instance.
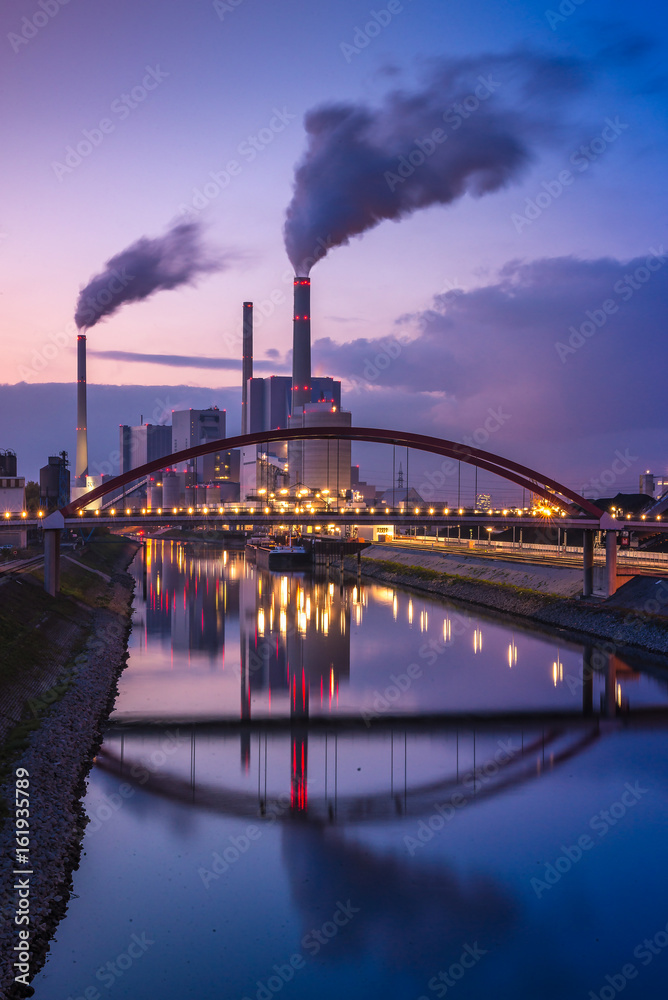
(532, 593)
(54, 710)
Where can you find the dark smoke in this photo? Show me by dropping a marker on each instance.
(362, 165)
(148, 266)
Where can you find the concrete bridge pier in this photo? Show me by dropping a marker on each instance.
(611, 562)
(52, 561)
(53, 526)
(588, 562)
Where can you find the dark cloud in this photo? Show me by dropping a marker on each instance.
(183, 361)
(363, 165)
(147, 266)
(538, 342)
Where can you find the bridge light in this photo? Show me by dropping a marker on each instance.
(431, 510)
(143, 510)
(174, 510)
(190, 510)
(387, 510)
(127, 510)
(112, 511)
(7, 514)
(206, 510)
(446, 510)
(461, 510)
(266, 510)
(417, 510)
(97, 513)
(40, 513)
(220, 510)
(81, 513)
(24, 513)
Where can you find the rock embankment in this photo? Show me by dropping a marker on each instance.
(57, 759)
(644, 626)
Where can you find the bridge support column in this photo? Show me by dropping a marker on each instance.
(52, 561)
(588, 563)
(611, 562)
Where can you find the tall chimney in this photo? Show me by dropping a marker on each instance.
(81, 469)
(301, 344)
(246, 364)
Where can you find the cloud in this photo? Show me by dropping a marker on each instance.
(571, 348)
(183, 361)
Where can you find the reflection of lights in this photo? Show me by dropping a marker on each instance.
(410, 611)
(423, 621)
(447, 630)
(283, 621)
(260, 621)
(477, 640)
(301, 621)
(618, 694)
(354, 595)
(557, 671)
(512, 654)
(331, 590)
(324, 622)
(395, 607)
(358, 614)
(284, 591)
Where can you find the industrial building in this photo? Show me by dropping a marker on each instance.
(300, 401)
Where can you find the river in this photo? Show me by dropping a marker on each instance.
(316, 788)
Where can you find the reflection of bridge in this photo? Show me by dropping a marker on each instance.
(554, 493)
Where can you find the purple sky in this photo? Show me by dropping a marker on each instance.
(473, 297)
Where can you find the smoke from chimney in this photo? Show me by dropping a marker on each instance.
(471, 129)
(146, 267)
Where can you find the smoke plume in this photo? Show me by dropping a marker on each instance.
(470, 129)
(145, 267)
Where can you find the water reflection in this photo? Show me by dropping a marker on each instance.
(423, 801)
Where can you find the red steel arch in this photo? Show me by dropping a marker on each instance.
(550, 490)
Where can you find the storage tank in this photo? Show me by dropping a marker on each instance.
(154, 496)
(171, 490)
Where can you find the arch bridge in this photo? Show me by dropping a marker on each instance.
(550, 490)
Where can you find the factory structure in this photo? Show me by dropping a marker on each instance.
(301, 401)
(270, 403)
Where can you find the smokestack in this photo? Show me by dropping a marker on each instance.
(301, 344)
(246, 364)
(81, 470)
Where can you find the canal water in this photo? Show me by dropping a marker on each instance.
(315, 788)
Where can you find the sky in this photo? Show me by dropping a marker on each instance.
(512, 292)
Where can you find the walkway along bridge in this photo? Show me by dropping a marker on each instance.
(575, 510)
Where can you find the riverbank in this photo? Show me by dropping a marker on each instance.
(57, 692)
(642, 625)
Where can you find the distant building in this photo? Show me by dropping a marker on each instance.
(653, 486)
(269, 402)
(54, 482)
(139, 445)
(193, 427)
(8, 463)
